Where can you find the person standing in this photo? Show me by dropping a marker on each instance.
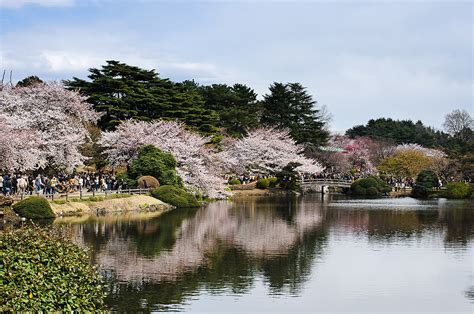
(54, 183)
(38, 185)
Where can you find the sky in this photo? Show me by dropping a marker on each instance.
(363, 60)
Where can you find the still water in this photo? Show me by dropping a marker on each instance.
(288, 254)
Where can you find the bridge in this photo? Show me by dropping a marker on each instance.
(321, 184)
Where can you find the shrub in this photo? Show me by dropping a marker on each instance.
(148, 182)
(273, 182)
(425, 182)
(263, 184)
(152, 161)
(371, 186)
(288, 177)
(372, 191)
(34, 207)
(458, 190)
(234, 182)
(175, 196)
(42, 271)
(128, 182)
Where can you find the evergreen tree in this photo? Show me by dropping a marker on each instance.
(123, 92)
(407, 132)
(29, 81)
(236, 105)
(290, 106)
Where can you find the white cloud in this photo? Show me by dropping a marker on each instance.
(63, 53)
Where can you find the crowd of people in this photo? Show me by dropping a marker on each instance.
(41, 184)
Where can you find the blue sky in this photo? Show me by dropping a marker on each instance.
(405, 59)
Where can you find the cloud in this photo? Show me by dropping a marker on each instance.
(66, 52)
(46, 3)
(399, 60)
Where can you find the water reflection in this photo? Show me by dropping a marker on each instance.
(168, 261)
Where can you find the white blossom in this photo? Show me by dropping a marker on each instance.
(266, 150)
(51, 119)
(196, 165)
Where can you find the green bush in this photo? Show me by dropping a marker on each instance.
(175, 196)
(371, 186)
(234, 182)
(372, 191)
(288, 177)
(458, 190)
(43, 271)
(263, 184)
(153, 162)
(425, 182)
(129, 182)
(34, 207)
(273, 182)
(148, 182)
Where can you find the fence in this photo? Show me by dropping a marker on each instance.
(82, 195)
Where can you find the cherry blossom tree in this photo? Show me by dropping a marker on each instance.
(266, 150)
(353, 153)
(49, 117)
(197, 165)
(19, 148)
(429, 152)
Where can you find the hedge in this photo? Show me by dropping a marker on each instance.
(148, 182)
(458, 190)
(34, 207)
(272, 182)
(175, 196)
(234, 182)
(371, 186)
(263, 184)
(43, 271)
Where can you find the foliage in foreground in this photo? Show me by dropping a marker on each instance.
(458, 190)
(425, 182)
(371, 186)
(34, 207)
(175, 196)
(41, 270)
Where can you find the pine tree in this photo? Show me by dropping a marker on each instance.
(236, 105)
(123, 92)
(290, 106)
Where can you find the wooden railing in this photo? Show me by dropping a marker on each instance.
(82, 194)
(327, 181)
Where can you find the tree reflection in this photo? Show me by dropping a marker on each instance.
(159, 263)
(222, 247)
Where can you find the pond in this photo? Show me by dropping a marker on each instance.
(288, 254)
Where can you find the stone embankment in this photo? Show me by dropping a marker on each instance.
(132, 203)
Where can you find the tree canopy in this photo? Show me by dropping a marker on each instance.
(123, 92)
(237, 106)
(291, 106)
(406, 131)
